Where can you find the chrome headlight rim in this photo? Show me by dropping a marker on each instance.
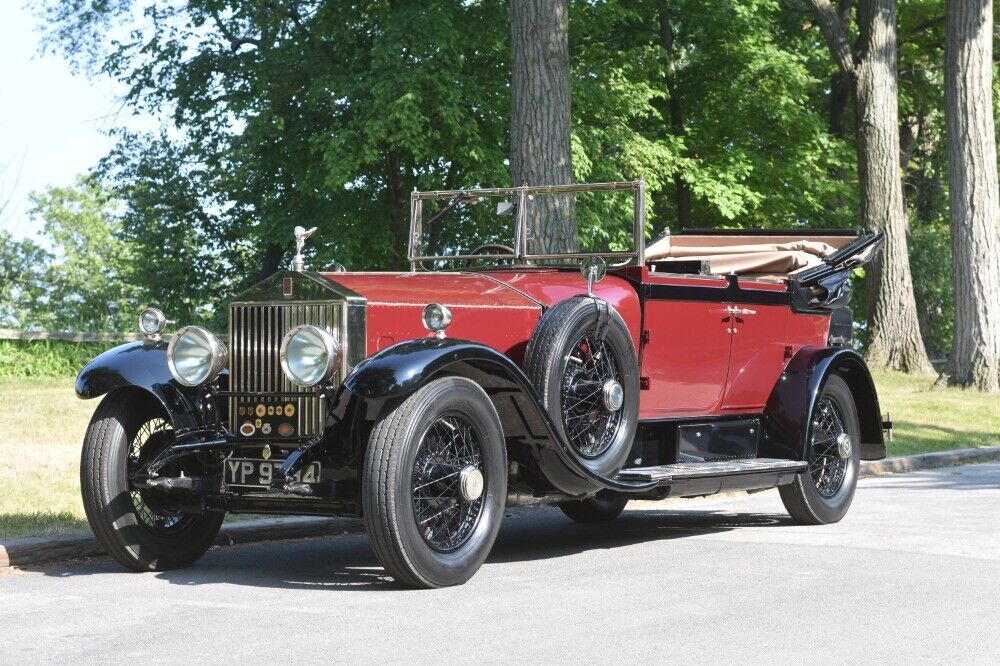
(215, 347)
(159, 318)
(331, 345)
(439, 311)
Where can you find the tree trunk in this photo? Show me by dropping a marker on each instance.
(540, 119)
(270, 260)
(974, 204)
(682, 193)
(399, 208)
(894, 340)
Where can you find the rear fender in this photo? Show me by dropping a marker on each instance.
(398, 371)
(143, 365)
(790, 407)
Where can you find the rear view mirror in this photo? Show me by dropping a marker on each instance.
(505, 208)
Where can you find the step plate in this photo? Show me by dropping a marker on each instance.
(682, 471)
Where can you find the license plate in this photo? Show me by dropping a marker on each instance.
(250, 473)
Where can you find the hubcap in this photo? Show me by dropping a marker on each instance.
(830, 449)
(613, 395)
(447, 483)
(592, 397)
(844, 446)
(470, 484)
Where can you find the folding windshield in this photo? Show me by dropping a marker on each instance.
(527, 225)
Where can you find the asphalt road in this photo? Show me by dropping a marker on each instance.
(912, 573)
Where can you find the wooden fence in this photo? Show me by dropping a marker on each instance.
(13, 334)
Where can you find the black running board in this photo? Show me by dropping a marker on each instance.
(706, 478)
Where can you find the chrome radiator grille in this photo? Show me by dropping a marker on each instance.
(255, 334)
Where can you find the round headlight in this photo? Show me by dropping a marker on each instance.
(436, 317)
(152, 321)
(195, 356)
(309, 355)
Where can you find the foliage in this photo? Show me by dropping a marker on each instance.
(88, 283)
(327, 114)
(46, 358)
(22, 271)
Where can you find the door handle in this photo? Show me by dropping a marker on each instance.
(741, 311)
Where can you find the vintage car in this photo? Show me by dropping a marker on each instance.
(426, 401)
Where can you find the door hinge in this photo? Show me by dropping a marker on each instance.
(644, 338)
(643, 383)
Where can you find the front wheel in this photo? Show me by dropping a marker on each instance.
(138, 528)
(435, 484)
(823, 493)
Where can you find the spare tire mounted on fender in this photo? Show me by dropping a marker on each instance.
(583, 363)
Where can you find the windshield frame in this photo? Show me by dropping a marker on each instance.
(520, 196)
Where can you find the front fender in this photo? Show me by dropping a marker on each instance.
(143, 365)
(401, 369)
(790, 406)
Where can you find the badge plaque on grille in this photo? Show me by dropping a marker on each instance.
(286, 286)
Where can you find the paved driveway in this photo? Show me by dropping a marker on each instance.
(912, 573)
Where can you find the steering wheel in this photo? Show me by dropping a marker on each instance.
(483, 249)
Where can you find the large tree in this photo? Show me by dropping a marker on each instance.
(894, 338)
(974, 206)
(541, 145)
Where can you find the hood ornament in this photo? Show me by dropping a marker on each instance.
(301, 234)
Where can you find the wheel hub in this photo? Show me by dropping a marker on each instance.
(613, 395)
(844, 446)
(470, 484)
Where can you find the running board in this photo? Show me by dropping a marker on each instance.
(667, 474)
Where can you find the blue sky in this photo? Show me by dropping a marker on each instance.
(52, 123)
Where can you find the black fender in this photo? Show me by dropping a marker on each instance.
(401, 369)
(790, 406)
(143, 366)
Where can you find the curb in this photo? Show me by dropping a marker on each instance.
(37, 550)
(933, 460)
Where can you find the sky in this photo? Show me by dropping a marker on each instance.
(52, 123)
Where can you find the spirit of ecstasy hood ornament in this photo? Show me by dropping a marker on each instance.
(301, 234)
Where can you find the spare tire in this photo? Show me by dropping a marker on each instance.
(583, 363)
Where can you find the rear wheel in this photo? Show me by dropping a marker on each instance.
(138, 528)
(435, 483)
(599, 509)
(823, 493)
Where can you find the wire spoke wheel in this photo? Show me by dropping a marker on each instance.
(827, 468)
(150, 510)
(590, 425)
(445, 512)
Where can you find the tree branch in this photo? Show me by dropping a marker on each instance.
(834, 32)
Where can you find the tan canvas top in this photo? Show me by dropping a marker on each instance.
(733, 254)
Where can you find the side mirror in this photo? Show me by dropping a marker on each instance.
(505, 208)
(593, 270)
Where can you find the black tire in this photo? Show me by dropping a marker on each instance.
(813, 498)
(599, 509)
(394, 463)
(135, 534)
(547, 364)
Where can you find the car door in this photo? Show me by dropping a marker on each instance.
(685, 354)
(759, 335)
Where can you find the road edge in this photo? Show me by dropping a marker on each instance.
(40, 550)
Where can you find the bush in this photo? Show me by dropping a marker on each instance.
(46, 358)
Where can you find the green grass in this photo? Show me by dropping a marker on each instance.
(42, 424)
(935, 419)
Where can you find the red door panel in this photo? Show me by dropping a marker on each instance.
(757, 357)
(686, 358)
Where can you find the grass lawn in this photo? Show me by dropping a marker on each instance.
(42, 424)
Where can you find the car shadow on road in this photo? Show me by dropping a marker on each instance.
(347, 562)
